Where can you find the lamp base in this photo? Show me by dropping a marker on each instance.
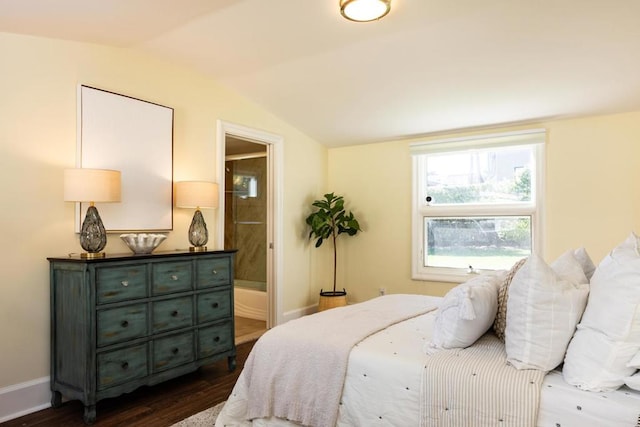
(197, 249)
(93, 237)
(92, 255)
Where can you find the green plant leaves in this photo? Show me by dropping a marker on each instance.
(329, 221)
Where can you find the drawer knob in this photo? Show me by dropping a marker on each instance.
(125, 283)
(124, 323)
(174, 277)
(175, 350)
(215, 305)
(125, 365)
(174, 313)
(216, 339)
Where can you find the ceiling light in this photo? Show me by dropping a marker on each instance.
(364, 10)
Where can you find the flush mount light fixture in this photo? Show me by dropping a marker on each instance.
(364, 10)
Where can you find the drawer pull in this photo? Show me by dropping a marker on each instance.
(216, 339)
(175, 351)
(174, 313)
(124, 323)
(125, 283)
(215, 305)
(174, 277)
(214, 271)
(125, 365)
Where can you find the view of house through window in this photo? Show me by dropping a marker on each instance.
(476, 203)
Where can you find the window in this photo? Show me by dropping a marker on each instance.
(476, 203)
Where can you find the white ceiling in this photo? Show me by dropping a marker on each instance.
(430, 66)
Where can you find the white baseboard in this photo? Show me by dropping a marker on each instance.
(24, 398)
(299, 312)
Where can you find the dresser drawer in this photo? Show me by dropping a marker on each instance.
(169, 277)
(213, 272)
(121, 366)
(121, 283)
(214, 306)
(124, 321)
(172, 314)
(121, 324)
(173, 351)
(215, 339)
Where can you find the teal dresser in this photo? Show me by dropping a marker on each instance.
(124, 321)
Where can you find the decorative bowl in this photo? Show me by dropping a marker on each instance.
(142, 243)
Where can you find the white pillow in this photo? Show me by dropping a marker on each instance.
(633, 381)
(466, 313)
(608, 336)
(585, 261)
(635, 362)
(545, 304)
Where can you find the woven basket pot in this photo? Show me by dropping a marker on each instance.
(331, 299)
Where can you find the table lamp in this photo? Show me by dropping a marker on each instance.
(198, 195)
(92, 185)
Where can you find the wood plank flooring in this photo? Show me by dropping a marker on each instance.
(161, 405)
(249, 329)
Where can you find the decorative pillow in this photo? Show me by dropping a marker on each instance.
(503, 295)
(608, 337)
(585, 261)
(545, 305)
(466, 313)
(633, 381)
(635, 362)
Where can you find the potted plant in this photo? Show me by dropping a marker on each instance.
(328, 222)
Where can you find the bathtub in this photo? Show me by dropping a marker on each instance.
(250, 299)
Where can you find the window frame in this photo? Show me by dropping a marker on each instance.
(420, 209)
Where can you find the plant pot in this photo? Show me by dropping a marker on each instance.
(332, 299)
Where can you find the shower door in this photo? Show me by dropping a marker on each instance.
(246, 230)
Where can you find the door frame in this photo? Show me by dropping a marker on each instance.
(275, 148)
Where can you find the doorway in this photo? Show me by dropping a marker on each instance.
(245, 229)
(250, 220)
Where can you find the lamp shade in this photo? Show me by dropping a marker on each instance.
(91, 185)
(196, 194)
(364, 10)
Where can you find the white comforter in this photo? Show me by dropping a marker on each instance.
(383, 381)
(297, 370)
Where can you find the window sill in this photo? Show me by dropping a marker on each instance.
(448, 277)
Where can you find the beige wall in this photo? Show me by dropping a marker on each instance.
(38, 83)
(593, 184)
(592, 200)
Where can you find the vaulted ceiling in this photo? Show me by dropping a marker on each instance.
(430, 66)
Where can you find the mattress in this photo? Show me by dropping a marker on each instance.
(382, 388)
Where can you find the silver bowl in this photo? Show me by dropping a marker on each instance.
(142, 243)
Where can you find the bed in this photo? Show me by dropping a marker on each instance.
(389, 372)
(383, 382)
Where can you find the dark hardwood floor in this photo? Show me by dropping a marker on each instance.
(159, 406)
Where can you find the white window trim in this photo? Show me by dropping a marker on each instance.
(533, 136)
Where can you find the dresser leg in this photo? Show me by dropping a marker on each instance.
(56, 399)
(89, 414)
(231, 360)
